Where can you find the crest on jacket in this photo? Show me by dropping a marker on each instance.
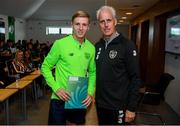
(112, 54)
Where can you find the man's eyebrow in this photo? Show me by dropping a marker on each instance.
(109, 19)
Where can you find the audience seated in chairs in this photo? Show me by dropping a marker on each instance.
(28, 62)
(18, 64)
(5, 53)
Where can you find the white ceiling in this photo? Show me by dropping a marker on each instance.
(63, 9)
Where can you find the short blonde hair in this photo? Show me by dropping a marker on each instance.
(80, 14)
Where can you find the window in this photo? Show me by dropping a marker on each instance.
(66, 30)
(2, 30)
(172, 44)
(175, 31)
(52, 30)
(58, 30)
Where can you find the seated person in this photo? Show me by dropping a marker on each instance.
(18, 63)
(4, 81)
(8, 50)
(28, 60)
(36, 55)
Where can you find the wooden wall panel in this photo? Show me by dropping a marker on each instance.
(157, 16)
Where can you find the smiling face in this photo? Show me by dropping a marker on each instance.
(80, 26)
(107, 23)
(19, 56)
(27, 54)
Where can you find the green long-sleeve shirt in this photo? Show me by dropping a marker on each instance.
(70, 58)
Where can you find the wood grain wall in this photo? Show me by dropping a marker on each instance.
(155, 41)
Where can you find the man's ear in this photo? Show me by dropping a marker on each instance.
(115, 21)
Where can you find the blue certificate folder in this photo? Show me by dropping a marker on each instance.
(77, 88)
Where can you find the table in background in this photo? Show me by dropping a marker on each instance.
(4, 98)
(21, 85)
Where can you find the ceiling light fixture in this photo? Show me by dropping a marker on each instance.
(129, 13)
(121, 21)
(124, 17)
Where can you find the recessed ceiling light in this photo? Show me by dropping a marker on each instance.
(121, 21)
(124, 17)
(129, 13)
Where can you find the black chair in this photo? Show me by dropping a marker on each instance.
(2, 75)
(11, 72)
(153, 94)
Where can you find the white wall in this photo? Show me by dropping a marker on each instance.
(172, 94)
(20, 29)
(36, 29)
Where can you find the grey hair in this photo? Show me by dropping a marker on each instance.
(111, 9)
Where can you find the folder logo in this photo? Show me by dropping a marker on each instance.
(77, 88)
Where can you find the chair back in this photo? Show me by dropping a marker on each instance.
(10, 68)
(164, 81)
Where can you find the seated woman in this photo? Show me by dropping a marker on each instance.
(18, 63)
(28, 60)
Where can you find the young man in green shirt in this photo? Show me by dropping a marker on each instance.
(71, 56)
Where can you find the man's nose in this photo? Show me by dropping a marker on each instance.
(81, 27)
(105, 23)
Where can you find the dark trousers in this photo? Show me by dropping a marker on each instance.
(58, 115)
(109, 116)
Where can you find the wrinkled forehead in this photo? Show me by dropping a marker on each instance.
(105, 14)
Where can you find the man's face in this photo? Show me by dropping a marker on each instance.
(107, 23)
(80, 27)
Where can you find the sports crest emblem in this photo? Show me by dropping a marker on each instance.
(112, 54)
